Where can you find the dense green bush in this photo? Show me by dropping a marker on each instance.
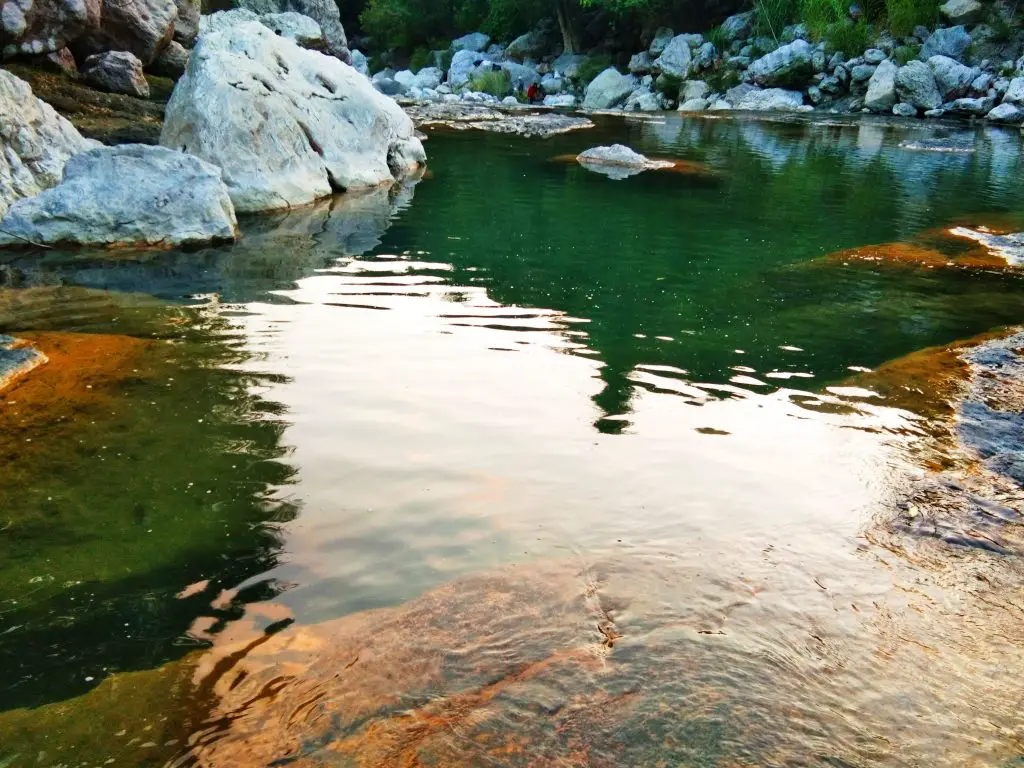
(421, 57)
(904, 15)
(820, 15)
(771, 16)
(849, 37)
(498, 84)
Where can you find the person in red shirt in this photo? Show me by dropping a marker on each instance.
(533, 93)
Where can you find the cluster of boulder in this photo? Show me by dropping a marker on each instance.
(112, 43)
(964, 69)
(255, 123)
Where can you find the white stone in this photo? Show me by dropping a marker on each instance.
(286, 125)
(609, 89)
(129, 195)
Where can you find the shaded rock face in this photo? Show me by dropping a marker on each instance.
(789, 65)
(881, 95)
(117, 72)
(131, 195)
(962, 11)
(323, 12)
(474, 41)
(286, 125)
(172, 62)
(462, 66)
(186, 26)
(676, 59)
(37, 142)
(609, 89)
(40, 26)
(141, 27)
(915, 85)
(949, 41)
(952, 78)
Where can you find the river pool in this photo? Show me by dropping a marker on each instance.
(514, 465)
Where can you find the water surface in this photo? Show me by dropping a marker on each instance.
(518, 464)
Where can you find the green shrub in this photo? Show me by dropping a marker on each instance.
(721, 80)
(904, 15)
(498, 84)
(905, 53)
(1002, 29)
(421, 57)
(849, 37)
(592, 66)
(820, 15)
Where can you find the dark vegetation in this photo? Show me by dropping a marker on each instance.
(610, 30)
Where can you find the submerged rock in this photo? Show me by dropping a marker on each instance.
(16, 359)
(286, 125)
(117, 72)
(130, 195)
(37, 142)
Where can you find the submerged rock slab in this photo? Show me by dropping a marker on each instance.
(478, 117)
(16, 359)
(286, 125)
(131, 195)
(37, 142)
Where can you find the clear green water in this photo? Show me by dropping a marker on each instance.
(609, 395)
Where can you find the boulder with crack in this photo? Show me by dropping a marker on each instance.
(132, 195)
(286, 125)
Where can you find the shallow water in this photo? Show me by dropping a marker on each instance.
(519, 465)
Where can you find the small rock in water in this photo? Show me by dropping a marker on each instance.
(904, 110)
(618, 161)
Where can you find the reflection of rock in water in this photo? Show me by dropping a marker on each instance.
(275, 251)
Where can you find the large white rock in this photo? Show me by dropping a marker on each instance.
(130, 195)
(474, 41)
(609, 89)
(462, 66)
(881, 95)
(323, 12)
(285, 124)
(296, 27)
(1015, 92)
(35, 142)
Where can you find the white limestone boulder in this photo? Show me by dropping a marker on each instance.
(286, 125)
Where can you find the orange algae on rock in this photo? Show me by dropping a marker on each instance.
(917, 255)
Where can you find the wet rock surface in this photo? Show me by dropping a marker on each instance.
(16, 359)
(465, 117)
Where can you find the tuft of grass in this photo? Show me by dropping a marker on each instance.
(498, 84)
(1002, 29)
(421, 57)
(905, 53)
(592, 66)
(904, 15)
(849, 37)
(716, 36)
(820, 15)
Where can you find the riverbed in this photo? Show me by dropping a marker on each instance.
(518, 464)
